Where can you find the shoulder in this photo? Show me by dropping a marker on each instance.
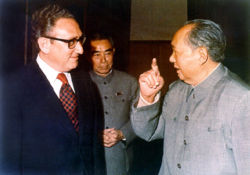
(81, 77)
(83, 83)
(177, 85)
(235, 98)
(234, 93)
(21, 82)
(176, 91)
(120, 75)
(233, 84)
(124, 81)
(24, 74)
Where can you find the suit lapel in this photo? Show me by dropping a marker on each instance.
(45, 97)
(86, 107)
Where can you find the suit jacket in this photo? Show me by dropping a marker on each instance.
(117, 91)
(38, 137)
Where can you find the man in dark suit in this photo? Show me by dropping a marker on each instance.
(44, 130)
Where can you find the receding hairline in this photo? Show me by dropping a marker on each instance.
(62, 18)
(104, 39)
(188, 28)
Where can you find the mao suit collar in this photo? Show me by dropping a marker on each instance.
(101, 79)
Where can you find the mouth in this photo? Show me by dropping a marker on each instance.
(75, 58)
(104, 66)
(103, 69)
(176, 68)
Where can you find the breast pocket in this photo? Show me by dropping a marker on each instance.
(210, 129)
(121, 98)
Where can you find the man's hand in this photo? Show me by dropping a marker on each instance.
(111, 136)
(151, 82)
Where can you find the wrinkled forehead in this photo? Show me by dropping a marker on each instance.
(181, 36)
(66, 28)
(100, 45)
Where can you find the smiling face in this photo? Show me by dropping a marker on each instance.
(185, 58)
(102, 56)
(58, 55)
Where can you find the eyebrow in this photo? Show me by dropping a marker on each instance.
(76, 37)
(108, 50)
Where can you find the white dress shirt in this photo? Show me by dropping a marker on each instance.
(51, 75)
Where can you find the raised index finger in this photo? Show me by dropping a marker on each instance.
(154, 67)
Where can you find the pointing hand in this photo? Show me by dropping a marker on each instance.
(151, 82)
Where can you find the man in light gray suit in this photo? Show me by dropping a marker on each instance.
(117, 90)
(205, 117)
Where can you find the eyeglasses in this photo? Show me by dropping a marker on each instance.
(71, 43)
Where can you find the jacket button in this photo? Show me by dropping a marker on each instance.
(179, 166)
(186, 118)
(105, 97)
(185, 142)
(106, 112)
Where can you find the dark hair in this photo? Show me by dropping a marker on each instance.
(101, 36)
(208, 34)
(45, 18)
(94, 37)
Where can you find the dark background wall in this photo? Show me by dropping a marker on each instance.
(113, 16)
(12, 23)
(233, 16)
(110, 16)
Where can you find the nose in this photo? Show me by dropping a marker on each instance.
(103, 58)
(79, 48)
(171, 58)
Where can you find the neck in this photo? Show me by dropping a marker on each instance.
(46, 59)
(103, 75)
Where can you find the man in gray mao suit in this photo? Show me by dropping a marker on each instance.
(117, 91)
(205, 117)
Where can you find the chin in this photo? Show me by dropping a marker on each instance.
(181, 78)
(73, 66)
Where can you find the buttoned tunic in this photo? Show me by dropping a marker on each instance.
(117, 91)
(206, 128)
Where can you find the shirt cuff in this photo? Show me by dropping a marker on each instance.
(142, 102)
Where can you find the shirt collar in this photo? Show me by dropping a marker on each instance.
(49, 72)
(101, 79)
(202, 89)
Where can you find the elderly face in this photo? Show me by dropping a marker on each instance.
(102, 56)
(59, 55)
(186, 59)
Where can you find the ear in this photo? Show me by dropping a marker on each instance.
(113, 50)
(44, 44)
(203, 55)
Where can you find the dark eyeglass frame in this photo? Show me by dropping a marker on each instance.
(71, 43)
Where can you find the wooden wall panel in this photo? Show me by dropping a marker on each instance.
(140, 58)
(156, 20)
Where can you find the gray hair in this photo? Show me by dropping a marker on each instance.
(44, 19)
(208, 34)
